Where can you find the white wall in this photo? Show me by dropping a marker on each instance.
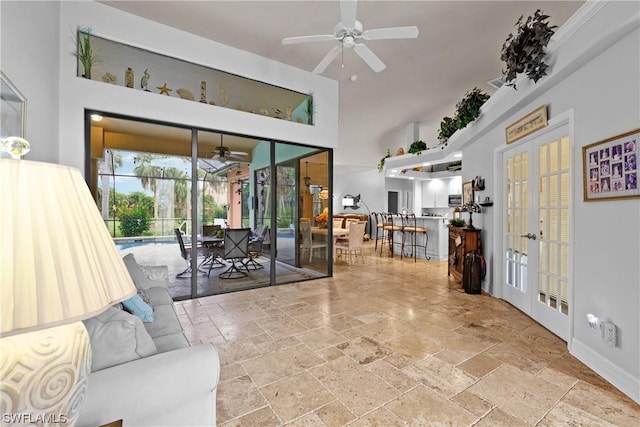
(602, 95)
(37, 47)
(29, 34)
(370, 186)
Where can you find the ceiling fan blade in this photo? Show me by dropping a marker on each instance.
(348, 13)
(391, 33)
(327, 60)
(308, 39)
(369, 57)
(238, 153)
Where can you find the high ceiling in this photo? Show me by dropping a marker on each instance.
(458, 48)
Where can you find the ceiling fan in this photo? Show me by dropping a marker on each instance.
(222, 153)
(347, 32)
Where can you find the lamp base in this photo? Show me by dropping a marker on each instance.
(43, 378)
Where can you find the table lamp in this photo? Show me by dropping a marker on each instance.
(58, 266)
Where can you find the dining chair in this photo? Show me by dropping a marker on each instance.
(236, 250)
(355, 243)
(308, 244)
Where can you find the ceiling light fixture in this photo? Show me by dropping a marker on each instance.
(96, 117)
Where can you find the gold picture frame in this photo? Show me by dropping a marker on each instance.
(610, 168)
(537, 119)
(13, 106)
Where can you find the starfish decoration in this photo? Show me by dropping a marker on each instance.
(164, 89)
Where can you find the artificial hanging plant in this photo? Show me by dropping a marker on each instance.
(417, 147)
(381, 162)
(467, 110)
(524, 52)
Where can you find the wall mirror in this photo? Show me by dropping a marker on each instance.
(13, 106)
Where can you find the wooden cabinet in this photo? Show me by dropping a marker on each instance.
(461, 242)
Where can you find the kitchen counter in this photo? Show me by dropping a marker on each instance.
(437, 232)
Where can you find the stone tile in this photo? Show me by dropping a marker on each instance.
(340, 322)
(563, 381)
(309, 420)
(480, 365)
(277, 345)
(296, 395)
(263, 417)
(413, 346)
(439, 376)
(237, 397)
(613, 407)
(379, 417)
(498, 418)
(364, 350)
(281, 326)
(330, 353)
(280, 364)
(568, 415)
(518, 393)
(321, 338)
(472, 403)
(450, 357)
(237, 351)
(421, 407)
(358, 389)
(335, 414)
(372, 317)
(392, 375)
(240, 330)
(520, 357)
(380, 331)
(230, 372)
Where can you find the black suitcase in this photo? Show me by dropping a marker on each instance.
(472, 273)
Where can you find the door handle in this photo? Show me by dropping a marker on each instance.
(529, 236)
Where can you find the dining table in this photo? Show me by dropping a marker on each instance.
(337, 233)
(212, 258)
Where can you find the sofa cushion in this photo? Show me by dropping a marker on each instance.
(171, 342)
(117, 337)
(136, 305)
(165, 322)
(159, 296)
(137, 273)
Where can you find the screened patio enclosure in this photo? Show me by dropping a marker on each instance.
(151, 179)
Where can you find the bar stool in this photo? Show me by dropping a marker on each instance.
(410, 231)
(377, 217)
(390, 228)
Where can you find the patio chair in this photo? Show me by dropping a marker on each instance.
(185, 252)
(256, 244)
(236, 250)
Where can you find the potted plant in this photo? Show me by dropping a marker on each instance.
(467, 110)
(381, 162)
(524, 52)
(417, 147)
(85, 52)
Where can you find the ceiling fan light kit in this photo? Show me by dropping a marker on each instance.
(347, 32)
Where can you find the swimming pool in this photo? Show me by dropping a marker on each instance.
(126, 243)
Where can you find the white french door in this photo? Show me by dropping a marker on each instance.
(536, 261)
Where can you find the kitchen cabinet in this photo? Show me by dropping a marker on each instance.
(455, 185)
(435, 193)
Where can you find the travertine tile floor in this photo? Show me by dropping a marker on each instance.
(393, 343)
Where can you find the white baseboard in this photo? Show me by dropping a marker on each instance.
(619, 378)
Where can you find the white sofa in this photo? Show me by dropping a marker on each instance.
(147, 374)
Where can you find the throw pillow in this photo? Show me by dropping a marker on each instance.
(135, 305)
(145, 297)
(117, 337)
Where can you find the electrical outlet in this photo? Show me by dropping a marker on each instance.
(610, 334)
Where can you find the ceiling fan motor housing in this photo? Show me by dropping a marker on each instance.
(348, 36)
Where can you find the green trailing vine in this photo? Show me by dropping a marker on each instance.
(381, 162)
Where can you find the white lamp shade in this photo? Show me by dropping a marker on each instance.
(58, 263)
